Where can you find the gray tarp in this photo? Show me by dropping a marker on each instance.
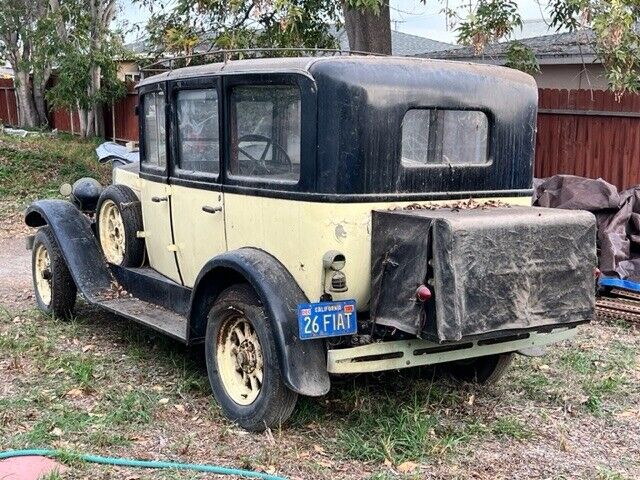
(490, 270)
(617, 214)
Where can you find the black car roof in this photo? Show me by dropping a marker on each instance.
(309, 65)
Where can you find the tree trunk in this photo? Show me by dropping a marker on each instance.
(27, 112)
(366, 30)
(39, 102)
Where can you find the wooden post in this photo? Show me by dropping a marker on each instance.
(113, 120)
(71, 121)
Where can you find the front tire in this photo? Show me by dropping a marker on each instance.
(55, 290)
(482, 370)
(242, 362)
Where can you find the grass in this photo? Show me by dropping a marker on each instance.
(123, 390)
(35, 167)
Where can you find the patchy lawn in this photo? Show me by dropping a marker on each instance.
(36, 166)
(103, 385)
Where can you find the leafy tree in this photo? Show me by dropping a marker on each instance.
(238, 24)
(86, 54)
(615, 38)
(304, 23)
(25, 39)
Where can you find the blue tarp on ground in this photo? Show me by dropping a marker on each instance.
(619, 283)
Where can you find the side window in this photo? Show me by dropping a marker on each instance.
(265, 134)
(444, 137)
(154, 129)
(198, 134)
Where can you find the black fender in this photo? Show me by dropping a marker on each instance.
(303, 363)
(79, 246)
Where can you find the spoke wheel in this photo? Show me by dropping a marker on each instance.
(112, 234)
(240, 361)
(55, 290)
(42, 273)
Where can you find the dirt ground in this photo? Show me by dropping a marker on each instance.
(101, 385)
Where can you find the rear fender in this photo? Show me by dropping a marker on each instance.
(302, 363)
(79, 246)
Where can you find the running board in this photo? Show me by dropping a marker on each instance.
(414, 353)
(149, 314)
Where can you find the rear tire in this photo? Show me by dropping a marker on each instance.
(242, 362)
(482, 370)
(118, 221)
(54, 288)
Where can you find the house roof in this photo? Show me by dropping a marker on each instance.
(402, 44)
(560, 48)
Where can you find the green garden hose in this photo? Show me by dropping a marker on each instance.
(127, 462)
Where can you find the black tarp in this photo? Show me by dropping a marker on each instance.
(617, 214)
(490, 270)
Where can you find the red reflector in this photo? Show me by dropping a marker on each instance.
(423, 293)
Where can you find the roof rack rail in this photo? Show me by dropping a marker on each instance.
(224, 55)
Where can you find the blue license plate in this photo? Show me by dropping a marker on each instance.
(327, 319)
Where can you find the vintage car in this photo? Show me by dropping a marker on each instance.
(305, 217)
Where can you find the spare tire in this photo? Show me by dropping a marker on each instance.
(118, 221)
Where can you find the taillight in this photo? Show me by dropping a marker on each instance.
(423, 293)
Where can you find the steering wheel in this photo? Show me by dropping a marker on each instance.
(261, 162)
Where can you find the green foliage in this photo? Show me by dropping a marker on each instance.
(521, 57)
(36, 166)
(609, 25)
(491, 21)
(87, 51)
(212, 24)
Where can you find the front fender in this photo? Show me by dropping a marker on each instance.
(302, 363)
(79, 246)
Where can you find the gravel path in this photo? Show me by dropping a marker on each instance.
(15, 272)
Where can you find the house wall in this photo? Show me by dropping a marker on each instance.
(571, 77)
(127, 67)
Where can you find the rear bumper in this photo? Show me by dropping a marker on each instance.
(394, 355)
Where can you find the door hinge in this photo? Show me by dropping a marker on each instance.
(172, 248)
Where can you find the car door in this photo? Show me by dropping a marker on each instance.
(197, 207)
(154, 188)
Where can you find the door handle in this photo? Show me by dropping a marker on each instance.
(159, 199)
(209, 209)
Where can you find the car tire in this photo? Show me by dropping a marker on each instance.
(54, 288)
(482, 370)
(242, 362)
(118, 221)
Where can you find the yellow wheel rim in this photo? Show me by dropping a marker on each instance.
(112, 237)
(239, 360)
(43, 273)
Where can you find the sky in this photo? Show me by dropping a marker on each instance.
(408, 16)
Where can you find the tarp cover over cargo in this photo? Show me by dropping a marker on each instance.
(506, 269)
(617, 214)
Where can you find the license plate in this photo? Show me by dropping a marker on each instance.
(327, 319)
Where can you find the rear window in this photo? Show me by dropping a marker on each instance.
(444, 137)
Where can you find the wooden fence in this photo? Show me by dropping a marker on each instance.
(580, 132)
(589, 133)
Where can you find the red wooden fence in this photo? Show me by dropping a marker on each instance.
(589, 133)
(580, 132)
(8, 107)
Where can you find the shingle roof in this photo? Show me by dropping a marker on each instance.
(568, 47)
(402, 44)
